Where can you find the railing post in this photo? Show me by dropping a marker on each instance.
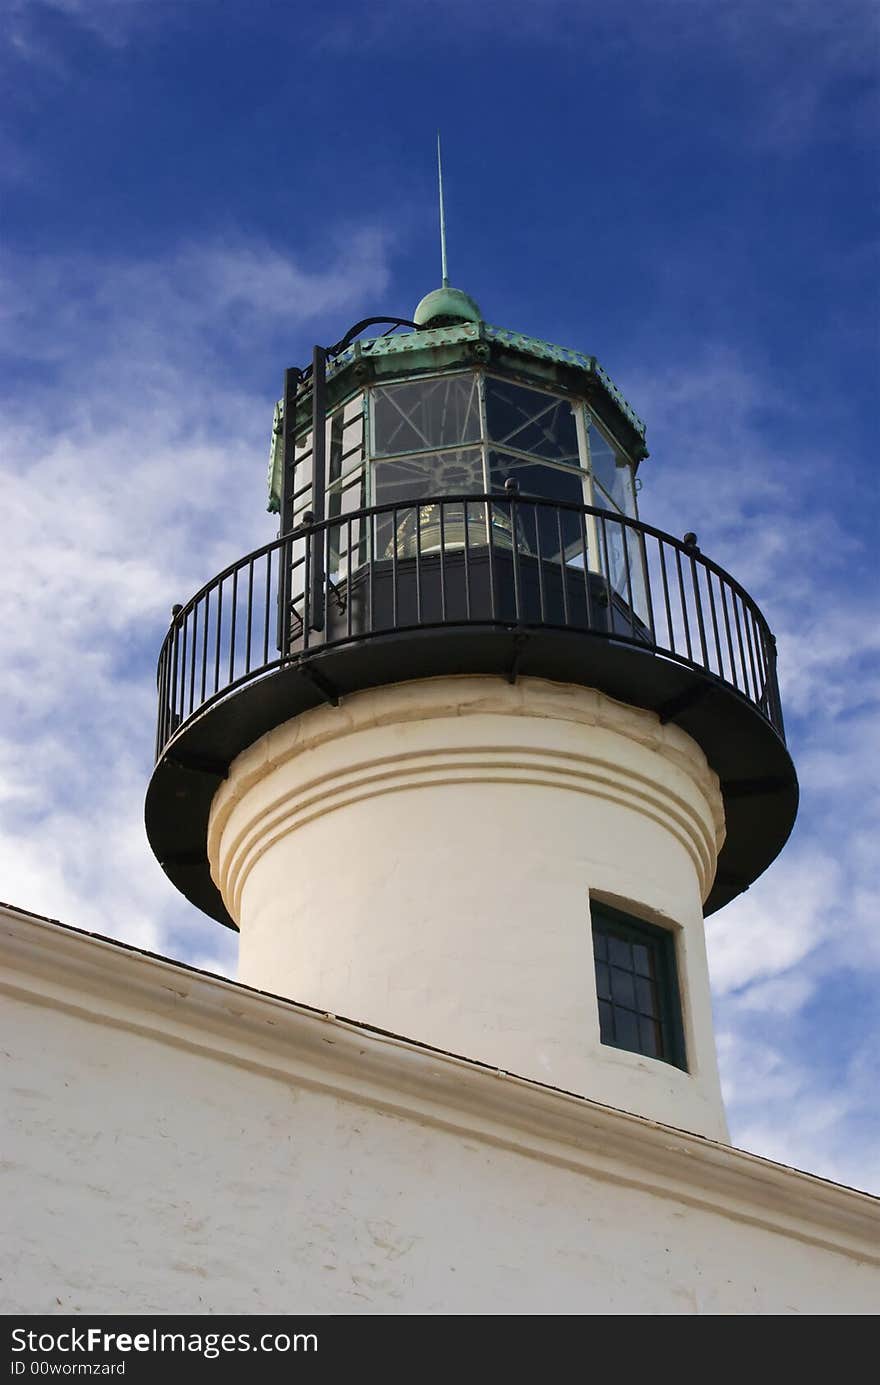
(511, 486)
(773, 698)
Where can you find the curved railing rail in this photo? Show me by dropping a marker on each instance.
(502, 560)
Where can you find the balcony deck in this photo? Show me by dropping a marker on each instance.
(479, 584)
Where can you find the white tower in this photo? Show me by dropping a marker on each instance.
(469, 750)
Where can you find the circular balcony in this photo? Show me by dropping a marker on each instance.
(470, 584)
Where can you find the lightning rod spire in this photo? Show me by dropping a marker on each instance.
(443, 265)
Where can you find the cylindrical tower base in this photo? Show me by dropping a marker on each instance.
(423, 858)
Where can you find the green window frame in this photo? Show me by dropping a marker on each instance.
(637, 986)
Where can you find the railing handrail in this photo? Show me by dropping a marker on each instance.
(477, 498)
(760, 689)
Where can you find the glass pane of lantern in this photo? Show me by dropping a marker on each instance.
(611, 557)
(439, 473)
(404, 479)
(613, 472)
(531, 421)
(637, 575)
(300, 481)
(345, 440)
(345, 540)
(625, 566)
(542, 528)
(441, 412)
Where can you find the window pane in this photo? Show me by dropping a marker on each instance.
(426, 413)
(646, 1002)
(619, 952)
(610, 542)
(352, 441)
(541, 527)
(649, 1038)
(606, 1023)
(300, 479)
(613, 472)
(345, 444)
(417, 528)
(342, 500)
(622, 989)
(621, 554)
(642, 960)
(601, 501)
(441, 473)
(626, 1027)
(531, 421)
(603, 981)
(346, 496)
(547, 482)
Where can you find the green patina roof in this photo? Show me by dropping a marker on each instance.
(435, 348)
(406, 342)
(446, 307)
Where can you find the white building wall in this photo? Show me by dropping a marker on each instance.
(177, 1144)
(423, 858)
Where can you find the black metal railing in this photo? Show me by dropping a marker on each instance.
(502, 560)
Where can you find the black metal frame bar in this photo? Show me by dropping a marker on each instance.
(295, 381)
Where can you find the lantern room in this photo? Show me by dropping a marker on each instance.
(415, 424)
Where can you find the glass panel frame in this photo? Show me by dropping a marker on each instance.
(417, 480)
(435, 421)
(542, 528)
(605, 482)
(578, 460)
(534, 433)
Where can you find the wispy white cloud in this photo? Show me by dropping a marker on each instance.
(760, 937)
(110, 22)
(786, 1111)
(132, 467)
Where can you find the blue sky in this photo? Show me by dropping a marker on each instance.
(194, 192)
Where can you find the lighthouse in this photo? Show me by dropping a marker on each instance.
(469, 750)
(466, 753)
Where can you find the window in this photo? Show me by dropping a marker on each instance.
(426, 441)
(434, 413)
(543, 530)
(637, 986)
(613, 487)
(523, 420)
(620, 549)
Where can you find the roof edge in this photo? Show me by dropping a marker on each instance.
(105, 981)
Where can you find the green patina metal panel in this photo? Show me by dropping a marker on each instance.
(276, 459)
(455, 346)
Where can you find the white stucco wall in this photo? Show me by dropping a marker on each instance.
(423, 858)
(176, 1144)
